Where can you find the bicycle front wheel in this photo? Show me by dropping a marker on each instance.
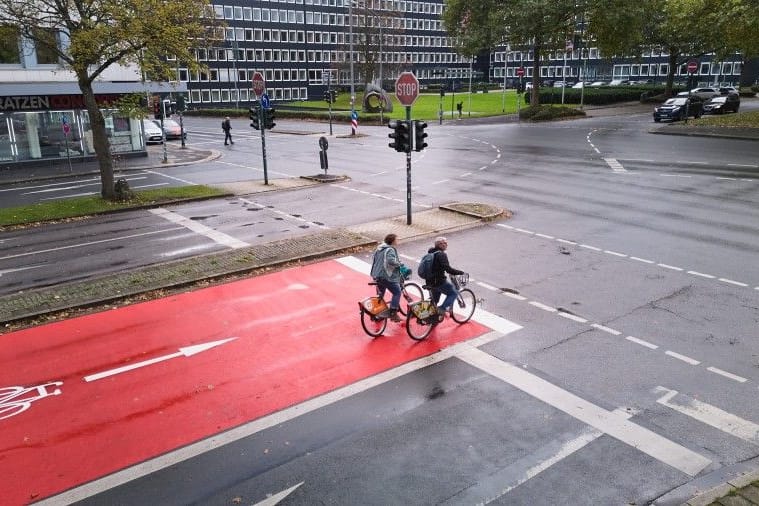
(413, 292)
(373, 325)
(464, 307)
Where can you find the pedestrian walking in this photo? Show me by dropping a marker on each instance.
(227, 127)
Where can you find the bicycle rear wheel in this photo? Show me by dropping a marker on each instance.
(415, 292)
(464, 307)
(373, 325)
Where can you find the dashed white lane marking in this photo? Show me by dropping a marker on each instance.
(284, 214)
(542, 306)
(606, 329)
(570, 316)
(735, 377)
(642, 342)
(199, 228)
(441, 181)
(688, 360)
(645, 440)
(710, 415)
(625, 255)
(384, 197)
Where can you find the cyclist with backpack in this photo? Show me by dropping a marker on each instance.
(386, 272)
(432, 269)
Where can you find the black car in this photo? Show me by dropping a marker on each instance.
(674, 108)
(722, 104)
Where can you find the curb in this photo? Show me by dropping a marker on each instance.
(713, 486)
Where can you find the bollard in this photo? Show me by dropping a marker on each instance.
(323, 145)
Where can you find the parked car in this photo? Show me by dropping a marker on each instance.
(704, 93)
(153, 132)
(528, 85)
(598, 83)
(579, 85)
(171, 128)
(722, 104)
(674, 109)
(619, 82)
(729, 90)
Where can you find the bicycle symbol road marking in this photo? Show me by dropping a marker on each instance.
(16, 400)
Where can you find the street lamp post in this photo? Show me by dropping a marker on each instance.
(234, 64)
(469, 109)
(505, 67)
(350, 35)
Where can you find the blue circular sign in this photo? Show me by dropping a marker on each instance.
(265, 101)
(354, 115)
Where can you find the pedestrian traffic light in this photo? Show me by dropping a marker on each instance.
(254, 117)
(419, 135)
(156, 107)
(401, 136)
(269, 116)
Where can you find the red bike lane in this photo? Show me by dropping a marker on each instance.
(136, 382)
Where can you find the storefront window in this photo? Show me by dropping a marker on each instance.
(9, 41)
(60, 134)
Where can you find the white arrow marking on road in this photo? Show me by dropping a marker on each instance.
(187, 351)
(274, 499)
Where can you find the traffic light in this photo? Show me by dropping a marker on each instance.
(180, 103)
(269, 118)
(254, 116)
(156, 107)
(401, 136)
(327, 97)
(419, 135)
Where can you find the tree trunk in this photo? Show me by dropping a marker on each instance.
(100, 141)
(535, 91)
(671, 74)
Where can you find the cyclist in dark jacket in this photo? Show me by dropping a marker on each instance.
(438, 281)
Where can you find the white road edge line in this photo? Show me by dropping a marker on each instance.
(645, 440)
(711, 415)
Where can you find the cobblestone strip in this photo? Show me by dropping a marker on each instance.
(173, 274)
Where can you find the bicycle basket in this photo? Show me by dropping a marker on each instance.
(373, 305)
(460, 280)
(423, 309)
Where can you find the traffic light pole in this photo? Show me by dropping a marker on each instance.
(261, 121)
(408, 168)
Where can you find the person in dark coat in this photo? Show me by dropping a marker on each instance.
(438, 281)
(227, 127)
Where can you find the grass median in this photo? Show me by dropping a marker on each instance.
(86, 206)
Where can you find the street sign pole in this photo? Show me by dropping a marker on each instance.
(259, 86)
(407, 91)
(692, 67)
(263, 142)
(408, 169)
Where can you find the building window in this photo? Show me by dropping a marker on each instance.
(9, 40)
(46, 42)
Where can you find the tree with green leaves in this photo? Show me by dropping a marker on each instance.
(540, 26)
(89, 36)
(678, 27)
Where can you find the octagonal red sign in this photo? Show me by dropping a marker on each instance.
(407, 88)
(259, 85)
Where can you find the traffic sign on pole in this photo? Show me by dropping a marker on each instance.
(692, 66)
(520, 72)
(407, 88)
(259, 85)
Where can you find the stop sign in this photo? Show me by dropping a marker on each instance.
(692, 66)
(520, 71)
(407, 88)
(259, 85)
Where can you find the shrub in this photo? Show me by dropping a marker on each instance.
(548, 113)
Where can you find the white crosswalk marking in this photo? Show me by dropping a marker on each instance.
(710, 415)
